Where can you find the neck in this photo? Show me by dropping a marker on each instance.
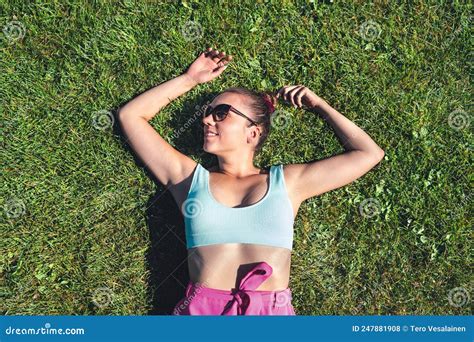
(237, 166)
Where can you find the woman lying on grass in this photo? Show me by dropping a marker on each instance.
(239, 218)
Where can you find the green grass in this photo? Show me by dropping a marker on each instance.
(82, 213)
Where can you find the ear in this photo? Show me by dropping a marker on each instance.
(258, 132)
(254, 134)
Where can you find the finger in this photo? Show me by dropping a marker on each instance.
(208, 51)
(298, 96)
(279, 92)
(222, 63)
(221, 56)
(288, 93)
(291, 94)
(219, 70)
(215, 56)
(225, 60)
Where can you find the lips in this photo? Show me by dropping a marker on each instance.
(210, 134)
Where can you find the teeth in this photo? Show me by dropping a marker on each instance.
(212, 134)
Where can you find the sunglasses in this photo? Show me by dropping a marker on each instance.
(221, 111)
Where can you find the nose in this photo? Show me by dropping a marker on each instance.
(208, 120)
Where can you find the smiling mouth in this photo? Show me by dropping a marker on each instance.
(211, 135)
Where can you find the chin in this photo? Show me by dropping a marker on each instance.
(209, 148)
(206, 148)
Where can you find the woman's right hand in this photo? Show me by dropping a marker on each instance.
(299, 96)
(209, 65)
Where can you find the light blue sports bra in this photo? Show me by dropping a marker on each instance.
(267, 222)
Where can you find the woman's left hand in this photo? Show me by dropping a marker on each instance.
(208, 65)
(299, 96)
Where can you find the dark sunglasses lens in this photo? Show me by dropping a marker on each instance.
(220, 114)
(207, 111)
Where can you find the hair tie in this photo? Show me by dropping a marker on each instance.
(269, 104)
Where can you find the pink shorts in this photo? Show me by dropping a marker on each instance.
(245, 300)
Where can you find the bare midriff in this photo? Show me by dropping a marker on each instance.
(222, 266)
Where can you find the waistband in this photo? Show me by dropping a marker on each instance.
(193, 289)
(245, 299)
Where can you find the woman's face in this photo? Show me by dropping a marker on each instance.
(233, 132)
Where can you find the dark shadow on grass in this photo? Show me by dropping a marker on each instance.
(166, 258)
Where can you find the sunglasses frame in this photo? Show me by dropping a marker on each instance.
(227, 109)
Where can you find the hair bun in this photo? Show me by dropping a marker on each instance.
(270, 100)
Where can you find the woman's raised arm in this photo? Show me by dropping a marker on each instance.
(362, 153)
(170, 166)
